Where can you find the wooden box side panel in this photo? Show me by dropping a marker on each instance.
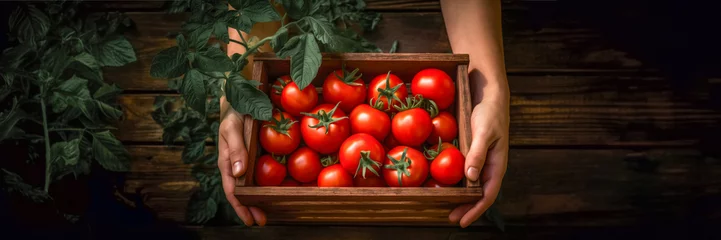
(463, 115)
(251, 127)
(357, 205)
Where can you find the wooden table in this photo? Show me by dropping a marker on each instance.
(602, 139)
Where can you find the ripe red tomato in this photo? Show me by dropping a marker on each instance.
(366, 119)
(295, 101)
(382, 89)
(289, 183)
(405, 167)
(268, 171)
(325, 128)
(412, 127)
(432, 183)
(276, 89)
(447, 167)
(361, 153)
(444, 126)
(304, 165)
(370, 181)
(334, 176)
(280, 135)
(435, 85)
(345, 88)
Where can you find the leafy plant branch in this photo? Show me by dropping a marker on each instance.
(53, 74)
(202, 73)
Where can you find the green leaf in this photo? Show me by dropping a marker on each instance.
(15, 183)
(65, 157)
(193, 90)
(242, 23)
(290, 47)
(178, 6)
(199, 34)
(56, 61)
(214, 60)
(8, 122)
(201, 208)
(304, 63)
(193, 151)
(72, 93)
(220, 30)
(29, 24)
(322, 29)
(115, 52)
(86, 66)
(66, 153)
(182, 43)
(14, 57)
(259, 11)
(109, 111)
(246, 98)
(87, 60)
(107, 92)
(109, 152)
(394, 47)
(296, 9)
(169, 63)
(279, 39)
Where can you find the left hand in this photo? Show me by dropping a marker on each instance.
(488, 155)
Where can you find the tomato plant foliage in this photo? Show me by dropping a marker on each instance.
(53, 92)
(201, 71)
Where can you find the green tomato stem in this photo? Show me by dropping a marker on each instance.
(48, 154)
(255, 47)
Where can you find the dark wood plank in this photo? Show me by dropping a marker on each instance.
(554, 110)
(371, 5)
(419, 233)
(562, 187)
(551, 46)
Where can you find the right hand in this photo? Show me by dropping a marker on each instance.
(233, 162)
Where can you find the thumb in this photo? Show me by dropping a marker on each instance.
(476, 157)
(237, 153)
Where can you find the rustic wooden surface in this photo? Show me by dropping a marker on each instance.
(605, 139)
(551, 110)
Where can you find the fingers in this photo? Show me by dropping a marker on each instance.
(235, 148)
(258, 215)
(476, 156)
(229, 183)
(458, 213)
(492, 178)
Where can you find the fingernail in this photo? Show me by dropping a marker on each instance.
(472, 173)
(237, 167)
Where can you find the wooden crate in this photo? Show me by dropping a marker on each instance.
(369, 206)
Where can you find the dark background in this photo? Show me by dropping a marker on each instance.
(614, 134)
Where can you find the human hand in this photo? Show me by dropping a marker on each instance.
(488, 156)
(233, 162)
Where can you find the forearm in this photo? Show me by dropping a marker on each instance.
(474, 28)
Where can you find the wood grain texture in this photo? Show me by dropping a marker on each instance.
(562, 187)
(544, 46)
(555, 110)
(371, 5)
(668, 231)
(464, 110)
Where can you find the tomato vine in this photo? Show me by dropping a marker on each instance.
(199, 69)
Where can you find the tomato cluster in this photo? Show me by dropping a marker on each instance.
(357, 134)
